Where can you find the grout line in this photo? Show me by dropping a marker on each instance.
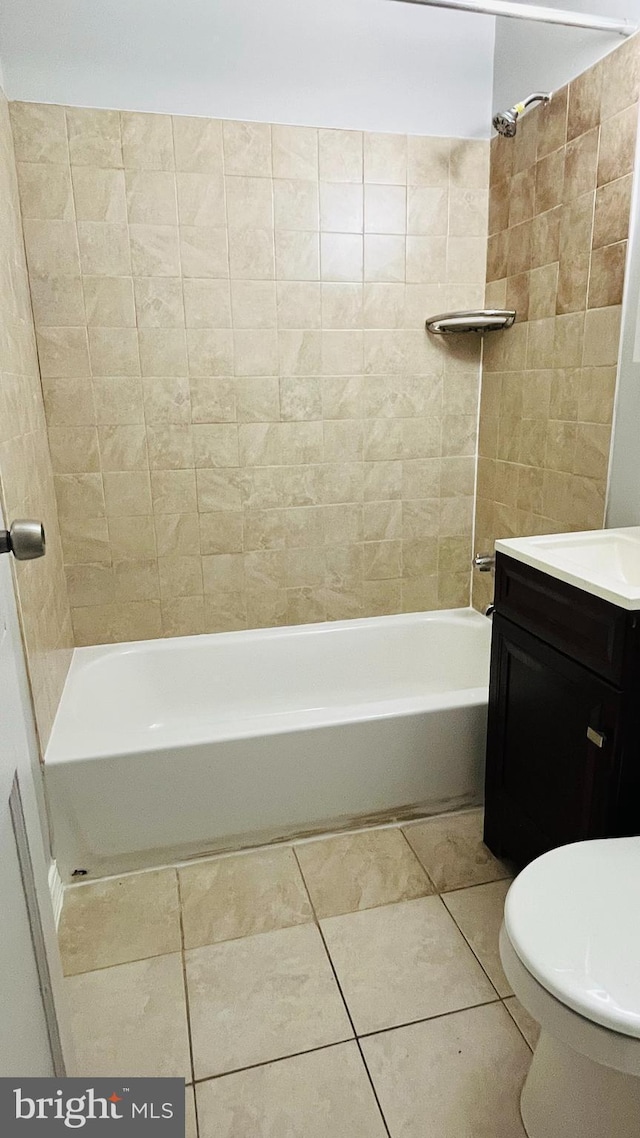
(503, 1001)
(422, 867)
(268, 1062)
(468, 942)
(346, 1006)
(429, 1019)
(477, 884)
(186, 985)
(356, 1039)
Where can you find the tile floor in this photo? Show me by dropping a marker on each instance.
(348, 986)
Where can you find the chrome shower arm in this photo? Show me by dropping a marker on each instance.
(537, 97)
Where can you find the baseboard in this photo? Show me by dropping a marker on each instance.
(56, 889)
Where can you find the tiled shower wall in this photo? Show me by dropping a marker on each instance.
(558, 223)
(26, 479)
(248, 423)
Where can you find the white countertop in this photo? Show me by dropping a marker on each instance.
(605, 563)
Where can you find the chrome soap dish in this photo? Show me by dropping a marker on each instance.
(479, 320)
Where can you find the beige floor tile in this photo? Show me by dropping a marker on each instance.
(527, 1024)
(451, 850)
(239, 896)
(402, 963)
(325, 1093)
(191, 1125)
(131, 1020)
(361, 871)
(113, 922)
(478, 914)
(262, 998)
(449, 1077)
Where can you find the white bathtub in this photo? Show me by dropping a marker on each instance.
(166, 749)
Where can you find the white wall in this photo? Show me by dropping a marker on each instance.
(542, 57)
(369, 64)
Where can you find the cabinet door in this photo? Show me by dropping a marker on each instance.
(548, 782)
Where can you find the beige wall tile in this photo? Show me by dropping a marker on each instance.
(116, 400)
(159, 302)
(126, 493)
(108, 301)
(584, 101)
(132, 537)
(201, 199)
(203, 251)
(253, 304)
(207, 303)
(606, 279)
(247, 149)
(63, 352)
(94, 137)
(294, 152)
(147, 141)
(297, 256)
(620, 80)
(52, 247)
(296, 204)
(385, 158)
(197, 144)
(45, 191)
(340, 155)
(99, 195)
(104, 249)
(601, 337)
(163, 351)
(154, 251)
(613, 204)
(57, 301)
(251, 254)
(552, 406)
(151, 197)
(114, 351)
(231, 292)
(170, 447)
(123, 447)
(173, 491)
(39, 132)
(617, 145)
(341, 207)
(74, 449)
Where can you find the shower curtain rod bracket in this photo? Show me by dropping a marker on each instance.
(515, 11)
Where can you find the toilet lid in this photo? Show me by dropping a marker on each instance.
(573, 917)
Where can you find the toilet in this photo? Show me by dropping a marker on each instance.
(570, 948)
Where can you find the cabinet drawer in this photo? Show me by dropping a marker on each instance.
(597, 634)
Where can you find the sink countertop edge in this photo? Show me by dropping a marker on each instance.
(628, 599)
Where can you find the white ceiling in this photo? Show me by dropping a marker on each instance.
(370, 64)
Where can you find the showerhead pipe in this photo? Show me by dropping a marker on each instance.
(506, 122)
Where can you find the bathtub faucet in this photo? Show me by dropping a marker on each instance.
(485, 562)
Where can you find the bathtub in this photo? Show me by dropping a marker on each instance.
(164, 750)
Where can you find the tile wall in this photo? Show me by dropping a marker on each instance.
(558, 226)
(248, 423)
(26, 479)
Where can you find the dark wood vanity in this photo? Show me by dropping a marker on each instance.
(563, 745)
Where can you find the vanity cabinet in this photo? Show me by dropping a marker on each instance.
(563, 745)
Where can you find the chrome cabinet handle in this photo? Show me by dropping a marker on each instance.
(25, 539)
(596, 737)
